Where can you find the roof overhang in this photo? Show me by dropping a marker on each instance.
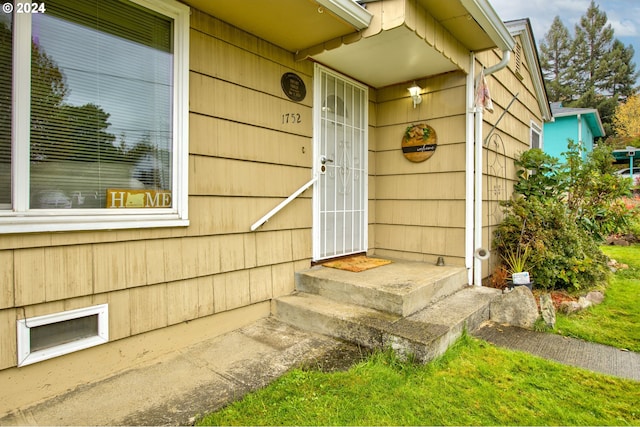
(487, 18)
(290, 24)
(339, 33)
(409, 41)
(392, 56)
(590, 115)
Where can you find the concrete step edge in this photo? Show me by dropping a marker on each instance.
(382, 299)
(422, 335)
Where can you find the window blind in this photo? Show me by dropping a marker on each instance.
(101, 102)
(6, 72)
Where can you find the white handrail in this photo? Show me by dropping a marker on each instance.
(259, 223)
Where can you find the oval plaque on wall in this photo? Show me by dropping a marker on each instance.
(293, 86)
(419, 142)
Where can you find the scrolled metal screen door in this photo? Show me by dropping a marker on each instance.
(340, 161)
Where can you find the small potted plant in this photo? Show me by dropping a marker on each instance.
(517, 263)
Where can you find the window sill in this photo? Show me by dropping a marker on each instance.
(50, 223)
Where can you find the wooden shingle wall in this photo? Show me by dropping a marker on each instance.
(420, 206)
(244, 159)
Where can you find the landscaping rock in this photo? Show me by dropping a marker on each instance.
(596, 297)
(614, 265)
(516, 308)
(617, 242)
(621, 240)
(584, 303)
(547, 310)
(569, 307)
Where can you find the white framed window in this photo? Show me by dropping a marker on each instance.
(97, 131)
(52, 335)
(535, 135)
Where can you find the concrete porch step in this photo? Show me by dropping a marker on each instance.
(402, 287)
(425, 334)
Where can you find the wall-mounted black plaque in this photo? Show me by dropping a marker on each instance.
(293, 86)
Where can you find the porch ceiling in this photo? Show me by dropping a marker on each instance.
(290, 24)
(391, 56)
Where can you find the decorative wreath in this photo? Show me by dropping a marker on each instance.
(419, 131)
(419, 142)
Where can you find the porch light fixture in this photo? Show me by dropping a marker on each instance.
(415, 94)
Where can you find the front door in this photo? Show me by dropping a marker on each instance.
(340, 162)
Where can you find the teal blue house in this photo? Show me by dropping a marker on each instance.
(582, 125)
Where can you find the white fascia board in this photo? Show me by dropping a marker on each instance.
(523, 27)
(350, 11)
(489, 20)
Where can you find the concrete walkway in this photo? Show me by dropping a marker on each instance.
(568, 351)
(192, 381)
(181, 386)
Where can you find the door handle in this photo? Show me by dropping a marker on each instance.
(324, 159)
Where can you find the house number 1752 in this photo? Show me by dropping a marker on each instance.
(291, 118)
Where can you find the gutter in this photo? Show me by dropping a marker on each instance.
(482, 12)
(349, 11)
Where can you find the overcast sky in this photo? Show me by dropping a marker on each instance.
(623, 15)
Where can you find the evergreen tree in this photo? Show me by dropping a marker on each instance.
(594, 70)
(555, 58)
(622, 76)
(591, 47)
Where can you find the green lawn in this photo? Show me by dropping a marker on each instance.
(615, 322)
(474, 383)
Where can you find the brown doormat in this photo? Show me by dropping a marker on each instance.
(357, 263)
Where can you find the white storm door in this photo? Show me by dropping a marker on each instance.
(340, 162)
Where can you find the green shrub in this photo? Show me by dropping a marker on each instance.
(539, 175)
(562, 255)
(560, 213)
(594, 193)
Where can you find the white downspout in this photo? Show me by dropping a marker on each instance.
(468, 176)
(477, 218)
(506, 56)
(477, 263)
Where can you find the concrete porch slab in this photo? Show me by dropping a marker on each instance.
(402, 287)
